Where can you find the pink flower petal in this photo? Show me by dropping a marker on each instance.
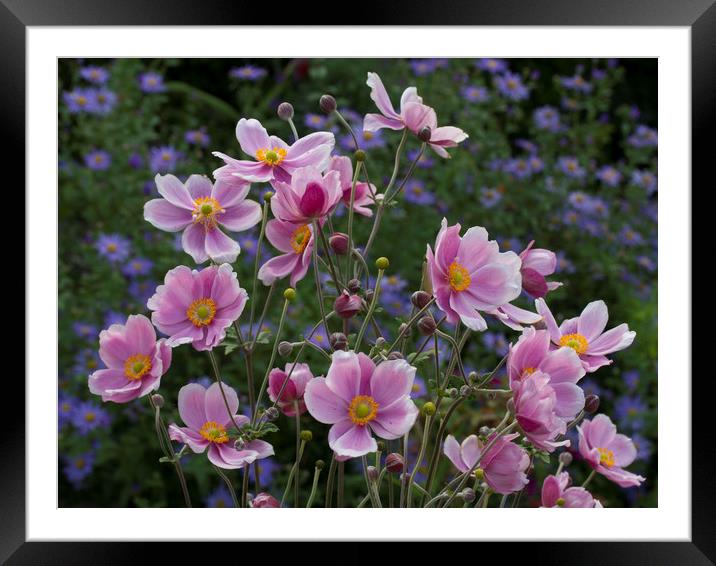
(323, 404)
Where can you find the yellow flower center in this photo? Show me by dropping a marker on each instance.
(214, 432)
(112, 247)
(136, 366)
(300, 238)
(80, 463)
(577, 342)
(205, 211)
(271, 157)
(606, 457)
(368, 136)
(363, 409)
(201, 312)
(458, 277)
(90, 417)
(528, 371)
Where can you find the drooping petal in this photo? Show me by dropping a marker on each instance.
(380, 96)
(451, 449)
(220, 247)
(347, 439)
(190, 437)
(193, 242)
(618, 338)
(395, 420)
(375, 122)
(164, 215)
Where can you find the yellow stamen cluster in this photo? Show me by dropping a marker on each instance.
(577, 342)
(205, 211)
(606, 457)
(528, 371)
(300, 238)
(136, 366)
(214, 432)
(271, 157)
(362, 409)
(458, 277)
(201, 312)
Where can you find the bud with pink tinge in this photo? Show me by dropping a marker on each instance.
(312, 201)
(338, 341)
(285, 111)
(264, 499)
(427, 325)
(591, 404)
(347, 305)
(420, 299)
(394, 463)
(339, 243)
(327, 103)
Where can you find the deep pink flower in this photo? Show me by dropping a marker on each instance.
(275, 160)
(358, 399)
(538, 263)
(294, 390)
(309, 196)
(504, 463)
(347, 305)
(209, 423)
(556, 492)
(135, 361)
(532, 353)
(296, 243)
(199, 208)
(536, 412)
(608, 452)
(197, 306)
(470, 274)
(362, 199)
(585, 334)
(264, 500)
(413, 115)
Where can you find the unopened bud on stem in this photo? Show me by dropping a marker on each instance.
(328, 104)
(285, 111)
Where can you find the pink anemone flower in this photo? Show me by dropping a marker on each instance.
(556, 492)
(292, 397)
(197, 306)
(135, 361)
(607, 452)
(361, 399)
(362, 198)
(470, 274)
(504, 464)
(585, 334)
(532, 353)
(275, 160)
(200, 208)
(208, 424)
(413, 115)
(309, 196)
(536, 407)
(537, 264)
(296, 242)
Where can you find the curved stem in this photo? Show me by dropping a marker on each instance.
(227, 481)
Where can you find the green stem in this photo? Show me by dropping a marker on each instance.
(264, 217)
(329, 481)
(294, 468)
(217, 375)
(227, 481)
(314, 487)
(371, 310)
(423, 444)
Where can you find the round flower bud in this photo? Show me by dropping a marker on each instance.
(306, 435)
(472, 376)
(268, 195)
(158, 400)
(395, 356)
(565, 458)
(591, 404)
(369, 294)
(289, 294)
(425, 133)
(429, 409)
(394, 463)
(420, 299)
(485, 431)
(353, 285)
(381, 445)
(327, 103)
(427, 325)
(339, 243)
(452, 393)
(359, 155)
(465, 391)
(271, 414)
(338, 341)
(347, 305)
(379, 342)
(264, 500)
(560, 502)
(284, 348)
(480, 474)
(320, 464)
(467, 495)
(382, 263)
(285, 111)
(372, 473)
(239, 444)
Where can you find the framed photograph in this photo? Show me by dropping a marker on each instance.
(397, 280)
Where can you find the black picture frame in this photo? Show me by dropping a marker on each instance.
(698, 15)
